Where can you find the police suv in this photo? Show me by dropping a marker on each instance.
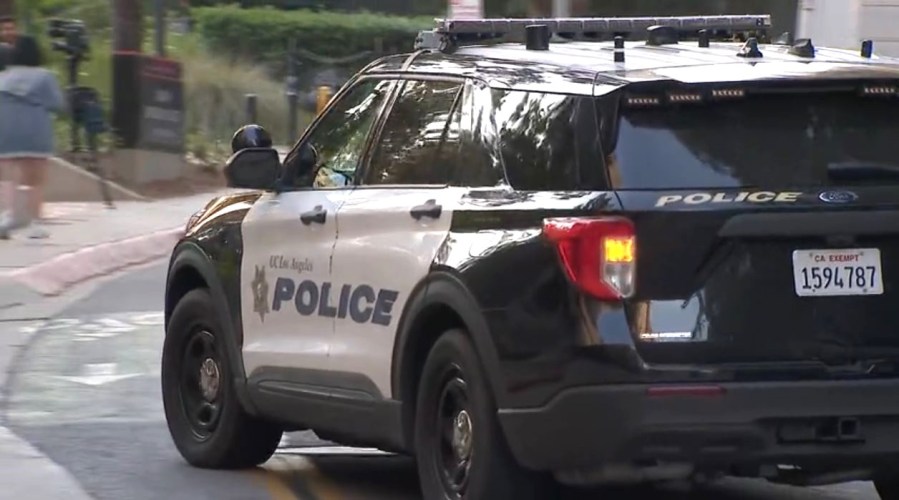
(536, 252)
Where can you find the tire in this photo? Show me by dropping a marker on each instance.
(210, 430)
(453, 368)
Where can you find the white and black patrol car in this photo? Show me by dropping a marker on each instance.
(547, 251)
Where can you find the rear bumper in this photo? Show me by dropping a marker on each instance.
(746, 424)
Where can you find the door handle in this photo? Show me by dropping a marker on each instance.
(429, 209)
(316, 215)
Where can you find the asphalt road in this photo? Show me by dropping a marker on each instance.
(86, 393)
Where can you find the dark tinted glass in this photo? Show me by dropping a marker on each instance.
(771, 141)
(549, 141)
(420, 141)
(478, 163)
(340, 136)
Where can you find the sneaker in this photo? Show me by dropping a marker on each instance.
(38, 233)
(6, 224)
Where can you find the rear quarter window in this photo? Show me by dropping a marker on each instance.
(548, 142)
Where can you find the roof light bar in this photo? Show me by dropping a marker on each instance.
(728, 93)
(880, 90)
(448, 32)
(643, 101)
(681, 98)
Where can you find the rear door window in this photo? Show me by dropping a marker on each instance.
(420, 140)
(766, 141)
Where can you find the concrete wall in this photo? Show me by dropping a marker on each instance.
(137, 166)
(879, 21)
(67, 182)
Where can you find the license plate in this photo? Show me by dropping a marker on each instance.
(856, 271)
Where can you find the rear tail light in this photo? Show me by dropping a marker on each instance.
(599, 255)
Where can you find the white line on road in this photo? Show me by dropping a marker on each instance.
(92, 328)
(96, 374)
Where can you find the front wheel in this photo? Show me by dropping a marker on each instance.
(205, 418)
(460, 449)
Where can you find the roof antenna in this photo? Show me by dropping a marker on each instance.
(867, 49)
(803, 48)
(750, 48)
(662, 35)
(786, 38)
(537, 37)
(619, 49)
(704, 39)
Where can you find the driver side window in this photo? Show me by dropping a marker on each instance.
(340, 136)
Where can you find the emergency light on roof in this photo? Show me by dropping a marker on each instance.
(449, 33)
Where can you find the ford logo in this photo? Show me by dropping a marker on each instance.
(837, 196)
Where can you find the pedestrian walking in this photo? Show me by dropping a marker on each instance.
(29, 96)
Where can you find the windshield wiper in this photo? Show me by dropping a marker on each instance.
(858, 171)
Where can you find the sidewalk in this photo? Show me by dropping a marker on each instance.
(88, 240)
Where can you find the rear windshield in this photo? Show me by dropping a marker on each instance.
(771, 141)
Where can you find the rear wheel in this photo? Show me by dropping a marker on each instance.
(205, 418)
(460, 448)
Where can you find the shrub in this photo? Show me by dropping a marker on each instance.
(215, 99)
(214, 90)
(263, 35)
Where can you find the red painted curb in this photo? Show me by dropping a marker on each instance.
(61, 272)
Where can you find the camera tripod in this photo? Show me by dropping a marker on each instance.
(87, 115)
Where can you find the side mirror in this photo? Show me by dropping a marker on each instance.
(250, 136)
(253, 168)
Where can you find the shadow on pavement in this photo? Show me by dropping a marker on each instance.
(394, 478)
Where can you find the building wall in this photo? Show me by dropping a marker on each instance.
(879, 21)
(845, 23)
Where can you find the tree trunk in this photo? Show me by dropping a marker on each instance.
(127, 25)
(7, 7)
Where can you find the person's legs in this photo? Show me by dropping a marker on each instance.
(34, 174)
(7, 197)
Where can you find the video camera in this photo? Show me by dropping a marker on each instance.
(70, 37)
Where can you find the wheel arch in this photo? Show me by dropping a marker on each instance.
(191, 268)
(440, 302)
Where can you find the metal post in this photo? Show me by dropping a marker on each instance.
(159, 14)
(561, 8)
(72, 63)
(292, 80)
(291, 92)
(322, 98)
(251, 108)
(292, 117)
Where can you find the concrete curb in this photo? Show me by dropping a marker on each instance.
(69, 182)
(58, 274)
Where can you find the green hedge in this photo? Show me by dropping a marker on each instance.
(262, 35)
